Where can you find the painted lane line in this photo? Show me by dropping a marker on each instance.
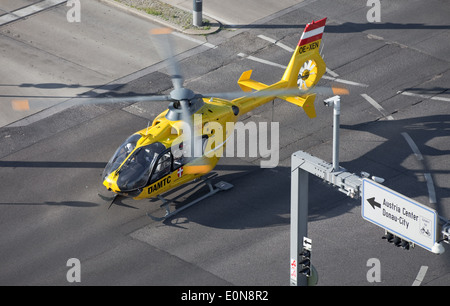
(377, 106)
(420, 276)
(345, 81)
(260, 60)
(428, 177)
(430, 187)
(197, 41)
(277, 43)
(412, 145)
(331, 72)
(440, 99)
(29, 10)
(405, 93)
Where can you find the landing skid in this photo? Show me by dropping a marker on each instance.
(220, 186)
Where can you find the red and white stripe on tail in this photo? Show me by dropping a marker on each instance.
(313, 33)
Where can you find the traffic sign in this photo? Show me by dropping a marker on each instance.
(307, 243)
(399, 214)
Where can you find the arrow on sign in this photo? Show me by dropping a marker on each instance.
(373, 203)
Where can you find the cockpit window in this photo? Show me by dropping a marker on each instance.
(138, 167)
(163, 166)
(119, 156)
(136, 170)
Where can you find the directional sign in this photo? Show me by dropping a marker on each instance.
(399, 214)
(307, 243)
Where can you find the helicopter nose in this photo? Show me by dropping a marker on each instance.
(110, 183)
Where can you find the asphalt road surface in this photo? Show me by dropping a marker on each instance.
(395, 125)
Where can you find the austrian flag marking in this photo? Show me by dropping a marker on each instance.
(313, 31)
(180, 172)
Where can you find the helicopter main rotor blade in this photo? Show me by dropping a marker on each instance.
(191, 139)
(25, 104)
(290, 92)
(164, 46)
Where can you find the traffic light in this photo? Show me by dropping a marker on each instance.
(397, 241)
(389, 237)
(405, 244)
(305, 262)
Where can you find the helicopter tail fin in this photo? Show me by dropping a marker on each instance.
(304, 70)
(306, 66)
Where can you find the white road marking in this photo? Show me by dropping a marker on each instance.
(405, 93)
(430, 187)
(420, 276)
(412, 145)
(29, 10)
(331, 72)
(428, 177)
(275, 42)
(263, 61)
(198, 41)
(345, 81)
(440, 99)
(377, 106)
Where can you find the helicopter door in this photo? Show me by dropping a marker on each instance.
(163, 166)
(179, 158)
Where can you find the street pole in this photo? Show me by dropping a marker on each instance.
(197, 13)
(335, 102)
(336, 123)
(299, 221)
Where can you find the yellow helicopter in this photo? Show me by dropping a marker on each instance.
(185, 142)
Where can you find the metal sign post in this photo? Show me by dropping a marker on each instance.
(299, 221)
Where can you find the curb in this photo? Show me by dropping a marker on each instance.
(215, 25)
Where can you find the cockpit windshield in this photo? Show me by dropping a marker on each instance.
(119, 156)
(136, 170)
(136, 167)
